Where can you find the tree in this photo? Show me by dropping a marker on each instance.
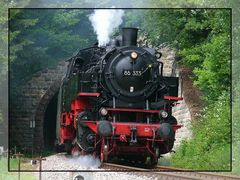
(203, 40)
(4, 5)
(41, 38)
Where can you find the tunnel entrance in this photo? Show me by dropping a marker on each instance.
(49, 125)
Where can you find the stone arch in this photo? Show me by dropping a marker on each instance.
(30, 104)
(40, 113)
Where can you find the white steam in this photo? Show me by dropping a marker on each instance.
(104, 21)
(86, 161)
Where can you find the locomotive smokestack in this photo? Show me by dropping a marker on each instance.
(129, 36)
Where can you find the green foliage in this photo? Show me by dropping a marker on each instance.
(203, 40)
(42, 38)
(236, 156)
(163, 23)
(133, 18)
(236, 127)
(209, 149)
(3, 39)
(4, 5)
(213, 76)
(4, 174)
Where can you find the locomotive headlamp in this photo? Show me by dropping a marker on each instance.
(103, 111)
(163, 114)
(134, 55)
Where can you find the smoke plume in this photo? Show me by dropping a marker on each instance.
(104, 21)
(86, 161)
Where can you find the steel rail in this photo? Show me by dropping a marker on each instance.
(165, 172)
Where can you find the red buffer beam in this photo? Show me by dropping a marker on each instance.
(133, 110)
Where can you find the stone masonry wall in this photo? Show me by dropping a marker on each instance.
(181, 111)
(30, 105)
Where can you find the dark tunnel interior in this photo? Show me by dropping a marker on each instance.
(49, 127)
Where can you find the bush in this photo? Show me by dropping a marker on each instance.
(209, 149)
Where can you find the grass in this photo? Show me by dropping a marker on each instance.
(236, 158)
(24, 164)
(5, 175)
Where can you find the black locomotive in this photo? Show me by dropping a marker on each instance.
(116, 102)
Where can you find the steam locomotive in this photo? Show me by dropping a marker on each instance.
(115, 102)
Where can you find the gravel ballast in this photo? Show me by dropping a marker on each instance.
(62, 162)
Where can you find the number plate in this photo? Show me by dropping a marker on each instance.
(132, 73)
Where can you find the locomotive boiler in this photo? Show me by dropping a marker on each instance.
(115, 102)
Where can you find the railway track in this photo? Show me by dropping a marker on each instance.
(163, 172)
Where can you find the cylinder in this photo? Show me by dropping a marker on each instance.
(129, 36)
